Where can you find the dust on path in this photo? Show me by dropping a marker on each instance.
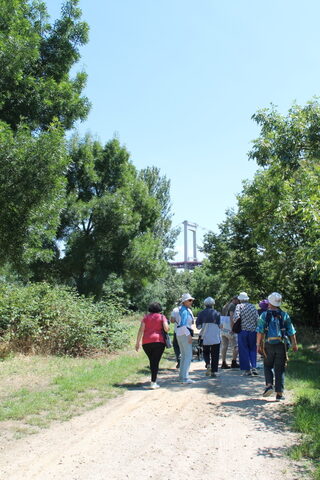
(217, 429)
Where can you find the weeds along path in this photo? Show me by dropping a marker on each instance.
(217, 429)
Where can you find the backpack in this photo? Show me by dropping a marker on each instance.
(275, 331)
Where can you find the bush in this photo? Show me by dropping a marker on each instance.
(55, 320)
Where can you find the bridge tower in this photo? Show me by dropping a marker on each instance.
(193, 228)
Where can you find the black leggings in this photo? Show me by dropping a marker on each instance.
(154, 352)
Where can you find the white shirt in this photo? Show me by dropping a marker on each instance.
(225, 324)
(176, 315)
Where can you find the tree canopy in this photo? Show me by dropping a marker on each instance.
(272, 240)
(36, 58)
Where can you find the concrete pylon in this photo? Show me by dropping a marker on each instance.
(193, 228)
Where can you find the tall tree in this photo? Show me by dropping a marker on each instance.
(36, 58)
(109, 226)
(159, 188)
(32, 191)
(38, 101)
(272, 240)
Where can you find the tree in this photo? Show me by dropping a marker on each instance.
(32, 187)
(159, 188)
(36, 58)
(110, 223)
(271, 242)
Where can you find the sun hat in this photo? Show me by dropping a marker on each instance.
(264, 304)
(243, 296)
(275, 299)
(209, 301)
(185, 297)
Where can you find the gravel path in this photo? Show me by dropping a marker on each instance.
(217, 429)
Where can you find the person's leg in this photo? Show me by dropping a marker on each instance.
(206, 355)
(176, 347)
(225, 340)
(279, 367)
(268, 363)
(148, 349)
(252, 349)
(234, 347)
(157, 352)
(243, 351)
(186, 357)
(214, 350)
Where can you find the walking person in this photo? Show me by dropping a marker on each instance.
(248, 315)
(263, 306)
(151, 336)
(274, 327)
(208, 321)
(175, 318)
(184, 334)
(228, 338)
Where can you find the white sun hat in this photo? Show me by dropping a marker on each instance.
(243, 296)
(275, 299)
(185, 297)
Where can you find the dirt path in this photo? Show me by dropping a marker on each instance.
(216, 429)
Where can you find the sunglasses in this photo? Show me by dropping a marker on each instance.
(190, 301)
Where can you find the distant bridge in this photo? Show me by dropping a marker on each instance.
(190, 265)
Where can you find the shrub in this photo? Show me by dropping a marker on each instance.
(54, 319)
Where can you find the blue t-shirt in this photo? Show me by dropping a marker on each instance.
(273, 334)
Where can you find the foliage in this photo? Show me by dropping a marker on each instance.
(56, 320)
(272, 241)
(32, 187)
(166, 290)
(36, 58)
(303, 379)
(113, 223)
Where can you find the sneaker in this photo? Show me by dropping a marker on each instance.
(234, 364)
(268, 391)
(247, 373)
(154, 385)
(213, 375)
(279, 397)
(188, 381)
(208, 372)
(225, 365)
(254, 372)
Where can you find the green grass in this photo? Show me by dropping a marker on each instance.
(37, 390)
(304, 379)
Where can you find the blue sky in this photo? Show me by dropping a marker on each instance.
(178, 82)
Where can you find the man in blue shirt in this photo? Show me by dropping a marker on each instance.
(274, 328)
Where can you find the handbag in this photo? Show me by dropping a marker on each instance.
(167, 339)
(236, 328)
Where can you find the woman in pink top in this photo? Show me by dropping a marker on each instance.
(151, 334)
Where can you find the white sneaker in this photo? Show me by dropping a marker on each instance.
(188, 381)
(154, 385)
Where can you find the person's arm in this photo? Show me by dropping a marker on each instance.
(234, 315)
(139, 336)
(261, 334)
(291, 332)
(166, 326)
(260, 340)
(294, 343)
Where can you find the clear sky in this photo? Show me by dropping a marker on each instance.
(178, 82)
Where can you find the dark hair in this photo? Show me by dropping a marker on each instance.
(155, 307)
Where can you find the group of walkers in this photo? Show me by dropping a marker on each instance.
(266, 331)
